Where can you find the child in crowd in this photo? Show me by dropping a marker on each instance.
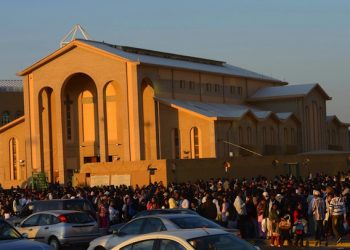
(299, 230)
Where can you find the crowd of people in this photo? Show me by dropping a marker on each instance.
(281, 209)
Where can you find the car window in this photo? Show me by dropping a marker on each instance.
(188, 222)
(170, 245)
(46, 205)
(141, 245)
(31, 221)
(78, 205)
(220, 242)
(79, 218)
(45, 219)
(133, 227)
(7, 232)
(153, 225)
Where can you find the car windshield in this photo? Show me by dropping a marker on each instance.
(189, 222)
(220, 242)
(7, 232)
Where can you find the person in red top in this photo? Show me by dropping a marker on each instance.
(298, 211)
(152, 204)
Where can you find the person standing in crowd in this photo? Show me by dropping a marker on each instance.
(318, 208)
(274, 222)
(242, 213)
(208, 208)
(284, 228)
(337, 211)
(299, 230)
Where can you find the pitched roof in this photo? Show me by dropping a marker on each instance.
(213, 111)
(284, 116)
(289, 91)
(11, 86)
(158, 58)
(331, 118)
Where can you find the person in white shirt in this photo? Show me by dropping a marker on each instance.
(239, 204)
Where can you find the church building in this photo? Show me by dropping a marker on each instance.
(94, 103)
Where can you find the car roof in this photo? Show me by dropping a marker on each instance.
(58, 212)
(57, 200)
(169, 216)
(184, 234)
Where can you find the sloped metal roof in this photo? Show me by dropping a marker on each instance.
(331, 118)
(210, 110)
(11, 86)
(297, 90)
(223, 111)
(177, 61)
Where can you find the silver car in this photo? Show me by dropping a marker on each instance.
(60, 227)
(153, 223)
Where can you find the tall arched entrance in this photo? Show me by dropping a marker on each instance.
(79, 122)
(48, 126)
(149, 122)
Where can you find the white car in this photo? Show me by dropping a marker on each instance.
(189, 239)
(150, 224)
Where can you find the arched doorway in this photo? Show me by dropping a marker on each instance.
(114, 121)
(149, 123)
(48, 143)
(79, 122)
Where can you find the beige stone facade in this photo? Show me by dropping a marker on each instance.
(95, 104)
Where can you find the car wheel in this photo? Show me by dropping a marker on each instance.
(99, 248)
(53, 242)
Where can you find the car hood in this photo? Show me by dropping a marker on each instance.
(23, 244)
(108, 241)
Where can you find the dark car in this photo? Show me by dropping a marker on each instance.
(10, 238)
(45, 205)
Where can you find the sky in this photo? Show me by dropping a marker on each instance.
(296, 41)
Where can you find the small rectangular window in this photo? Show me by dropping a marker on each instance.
(233, 90)
(191, 85)
(182, 84)
(208, 87)
(217, 88)
(239, 90)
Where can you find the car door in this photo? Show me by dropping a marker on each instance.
(46, 224)
(30, 226)
(131, 228)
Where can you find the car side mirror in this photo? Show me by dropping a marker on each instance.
(25, 235)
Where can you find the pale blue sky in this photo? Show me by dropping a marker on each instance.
(296, 40)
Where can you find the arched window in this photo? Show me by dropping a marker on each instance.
(264, 136)
(5, 118)
(13, 159)
(249, 136)
(195, 147)
(285, 136)
(240, 135)
(175, 137)
(272, 136)
(292, 136)
(88, 116)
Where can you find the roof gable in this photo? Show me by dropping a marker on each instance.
(289, 91)
(335, 119)
(158, 58)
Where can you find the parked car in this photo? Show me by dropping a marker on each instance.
(154, 212)
(164, 211)
(194, 239)
(154, 223)
(60, 227)
(11, 239)
(45, 205)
